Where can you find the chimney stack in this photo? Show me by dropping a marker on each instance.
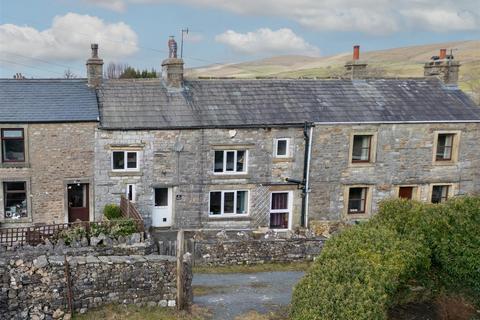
(356, 69)
(94, 68)
(443, 67)
(172, 68)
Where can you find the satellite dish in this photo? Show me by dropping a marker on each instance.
(178, 146)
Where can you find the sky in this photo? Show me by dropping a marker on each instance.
(43, 38)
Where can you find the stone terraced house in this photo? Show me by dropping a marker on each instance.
(47, 132)
(225, 153)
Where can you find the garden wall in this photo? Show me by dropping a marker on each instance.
(251, 251)
(38, 288)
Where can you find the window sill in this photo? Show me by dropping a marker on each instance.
(125, 173)
(444, 163)
(280, 159)
(230, 176)
(16, 221)
(361, 164)
(355, 216)
(15, 165)
(229, 217)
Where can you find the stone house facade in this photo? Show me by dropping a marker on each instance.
(47, 151)
(282, 153)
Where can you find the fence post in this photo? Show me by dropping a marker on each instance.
(180, 281)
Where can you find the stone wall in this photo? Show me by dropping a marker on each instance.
(255, 251)
(55, 153)
(404, 154)
(37, 288)
(190, 172)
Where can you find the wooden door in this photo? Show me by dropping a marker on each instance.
(405, 193)
(78, 202)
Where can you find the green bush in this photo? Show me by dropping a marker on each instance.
(76, 233)
(357, 274)
(123, 228)
(112, 212)
(450, 230)
(360, 272)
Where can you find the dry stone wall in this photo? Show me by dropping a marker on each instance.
(37, 288)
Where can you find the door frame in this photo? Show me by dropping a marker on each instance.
(89, 181)
(172, 191)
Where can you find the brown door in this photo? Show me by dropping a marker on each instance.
(405, 192)
(78, 208)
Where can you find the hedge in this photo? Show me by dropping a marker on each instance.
(359, 272)
(356, 275)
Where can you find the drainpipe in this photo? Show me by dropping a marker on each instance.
(307, 135)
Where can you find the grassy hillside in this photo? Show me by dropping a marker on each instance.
(397, 62)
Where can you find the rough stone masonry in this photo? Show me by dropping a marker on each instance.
(37, 288)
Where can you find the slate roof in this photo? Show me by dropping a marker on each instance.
(147, 104)
(47, 100)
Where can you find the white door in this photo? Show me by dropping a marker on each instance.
(162, 208)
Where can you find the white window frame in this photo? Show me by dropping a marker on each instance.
(222, 202)
(134, 191)
(224, 172)
(287, 155)
(125, 154)
(289, 208)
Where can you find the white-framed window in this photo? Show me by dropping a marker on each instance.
(15, 199)
(228, 202)
(282, 148)
(281, 209)
(125, 160)
(230, 161)
(131, 192)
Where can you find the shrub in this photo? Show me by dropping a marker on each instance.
(357, 274)
(112, 211)
(77, 233)
(450, 230)
(123, 228)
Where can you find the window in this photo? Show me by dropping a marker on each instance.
(161, 197)
(15, 199)
(444, 147)
(131, 192)
(357, 200)
(228, 202)
(125, 160)
(281, 148)
(230, 161)
(440, 193)
(280, 210)
(361, 150)
(13, 145)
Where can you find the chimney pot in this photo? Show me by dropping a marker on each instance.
(94, 47)
(172, 47)
(443, 53)
(172, 67)
(356, 52)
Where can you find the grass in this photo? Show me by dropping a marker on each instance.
(253, 268)
(131, 312)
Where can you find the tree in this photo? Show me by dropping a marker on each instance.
(124, 71)
(68, 74)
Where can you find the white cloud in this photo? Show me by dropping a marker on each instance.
(68, 39)
(265, 40)
(114, 5)
(368, 16)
